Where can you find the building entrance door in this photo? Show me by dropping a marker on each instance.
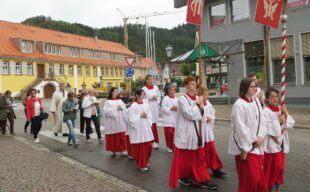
(41, 71)
(48, 91)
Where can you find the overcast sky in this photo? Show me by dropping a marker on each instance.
(94, 13)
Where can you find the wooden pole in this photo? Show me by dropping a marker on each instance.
(265, 57)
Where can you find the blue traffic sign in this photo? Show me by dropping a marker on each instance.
(130, 72)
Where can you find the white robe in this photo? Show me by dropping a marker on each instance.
(114, 120)
(207, 128)
(56, 106)
(185, 136)
(273, 128)
(140, 128)
(169, 116)
(154, 105)
(244, 123)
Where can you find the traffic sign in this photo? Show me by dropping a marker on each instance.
(130, 60)
(130, 72)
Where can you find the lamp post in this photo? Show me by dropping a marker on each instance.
(169, 50)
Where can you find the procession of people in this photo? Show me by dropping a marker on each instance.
(258, 141)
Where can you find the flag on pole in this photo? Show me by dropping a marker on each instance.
(268, 12)
(194, 11)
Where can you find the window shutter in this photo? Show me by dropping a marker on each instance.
(11, 67)
(56, 69)
(34, 68)
(305, 41)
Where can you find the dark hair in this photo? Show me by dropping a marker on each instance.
(28, 92)
(138, 93)
(110, 93)
(147, 76)
(7, 92)
(244, 85)
(269, 90)
(33, 89)
(188, 79)
(252, 74)
(70, 94)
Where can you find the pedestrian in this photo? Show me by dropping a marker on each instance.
(82, 119)
(115, 126)
(10, 112)
(69, 108)
(153, 96)
(3, 114)
(247, 137)
(131, 100)
(169, 113)
(34, 108)
(189, 162)
(276, 143)
(141, 136)
(27, 123)
(259, 92)
(166, 86)
(89, 105)
(58, 98)
(213, 160)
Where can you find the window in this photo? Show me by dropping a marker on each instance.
(307, 69)
(5, 68)
(29, 69)
(18, 68)
(61, 70)
(51, 68)
(109, 85)
(95, 71)
(87, 70)
(79, 70)
(217, 15)
(106, 71)
(114, 57)
(70, 69)
(116, 72)
(276, 53)
(74, 51)
(240, 10)
(111, 72)
(305, 39)
(254, 55)
(27, 46)
(121, 72)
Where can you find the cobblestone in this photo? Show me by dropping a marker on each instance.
(28, 167)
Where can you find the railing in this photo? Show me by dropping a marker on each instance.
(53, 77)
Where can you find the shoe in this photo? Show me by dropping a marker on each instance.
(144, 169)
(185, 181)
(155, 145)
(12, 134)
(65, 134)
(113, 155)
(76, 145)
(208, 185)
(124, 154)
(56, 134)
(169, 151)
(130, 157)
(82, 132)
(25, 129)
(36, 140)
(88, 141)
(70, 143)
(101, 141)
(218, 173)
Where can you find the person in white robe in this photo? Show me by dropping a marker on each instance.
(141, 135)
(276, 143)
(153, 96)
(115, 127)
(59, 96)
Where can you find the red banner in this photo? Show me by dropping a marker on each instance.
(194, 11)
(268, 12)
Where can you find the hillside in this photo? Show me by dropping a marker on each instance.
(181, 37)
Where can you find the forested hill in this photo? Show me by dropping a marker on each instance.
(181, 37)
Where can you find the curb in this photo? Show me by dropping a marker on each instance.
(306, 127)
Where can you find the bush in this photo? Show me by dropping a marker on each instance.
(102, 95)
(179, 81)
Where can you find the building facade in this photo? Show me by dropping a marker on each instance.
(234, 20)
(41, 58)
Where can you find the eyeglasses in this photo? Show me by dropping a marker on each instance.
(253, 86)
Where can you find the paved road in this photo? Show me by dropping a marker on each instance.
(297, 173)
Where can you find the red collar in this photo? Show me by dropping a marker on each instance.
(191, 97)
(114, 99)
(247, 99)
(205, 103)
(139, 102)
(274, 108)
(149, 86)
(172, 97)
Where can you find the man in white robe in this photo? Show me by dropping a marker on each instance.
(59, 96)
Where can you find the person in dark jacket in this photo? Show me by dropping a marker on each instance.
(82, 119)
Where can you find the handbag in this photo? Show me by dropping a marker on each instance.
(43, 116)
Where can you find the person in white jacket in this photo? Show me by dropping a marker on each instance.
(141, 135)
(213, 160)
(276, 143)
(153, 96)
(115, 128)
(90, 113)
(169, 109)
(247, 137)
(189, 161)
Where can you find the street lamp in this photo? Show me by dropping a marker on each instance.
(84, 86)
(169, 50)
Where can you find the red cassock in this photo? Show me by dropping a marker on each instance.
(212, 158)
(188, 164)
(116, 142)
(129, 150)
(155, 134)
(274, 168)
(142, 153)
(250, 173)
(169, 134)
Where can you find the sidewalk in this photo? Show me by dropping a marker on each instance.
(28, 167)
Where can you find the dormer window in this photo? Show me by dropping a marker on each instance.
(26, 46)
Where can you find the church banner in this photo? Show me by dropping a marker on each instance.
(268, 12)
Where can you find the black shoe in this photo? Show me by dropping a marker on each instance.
(82, 132)
(25, 129)
(185, 181)
(208, 185)
(65, 135)
(218, 173)
(113, 155)
(76, 145)
(56, 134)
